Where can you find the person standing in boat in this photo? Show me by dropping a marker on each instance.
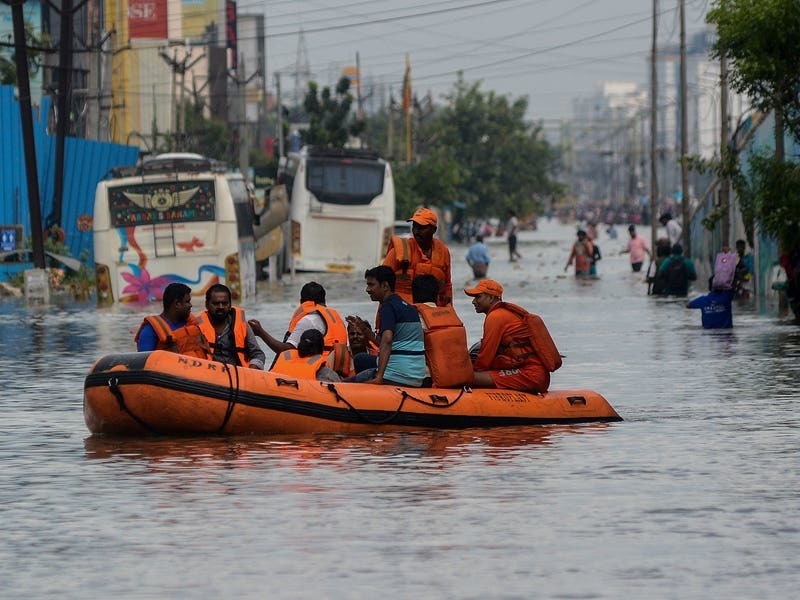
(420, 254)
(312, 313)
(401, 354)
(512, 355)
(307, 362)
(231, 338)
(175, 329)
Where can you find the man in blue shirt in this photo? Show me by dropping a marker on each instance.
(478, 258)
(715, 309)
(401, 357)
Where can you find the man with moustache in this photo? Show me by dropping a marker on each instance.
(231, 339)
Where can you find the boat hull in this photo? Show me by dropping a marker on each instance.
(162, 393)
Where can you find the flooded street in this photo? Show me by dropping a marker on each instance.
(694, 495)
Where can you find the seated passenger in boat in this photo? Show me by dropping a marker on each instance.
(508, 357)
(341, 359)
(401, 354)
(231, 339)
(307, 361)
(312, 313)
(175, 329)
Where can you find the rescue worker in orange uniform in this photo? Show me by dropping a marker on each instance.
(307, 362)
(311, 314)
(418, 255)
(507, 358)
(175, 329)
(231, 338)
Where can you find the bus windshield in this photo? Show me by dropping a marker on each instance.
(346, 182)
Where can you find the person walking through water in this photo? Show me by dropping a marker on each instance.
(511, 233)
(638, 248)
(674, 230)
(582, 255)
(418, 255)
(478, 258)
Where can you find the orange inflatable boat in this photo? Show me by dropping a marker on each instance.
(162, 393)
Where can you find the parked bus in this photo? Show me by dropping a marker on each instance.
(173, 218)
(341, 204)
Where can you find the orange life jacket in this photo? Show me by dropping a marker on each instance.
(188, 340)
(336, 329)
(406, 268)
(239, 333)
(289, 362)
(445, 346)
(535, 340)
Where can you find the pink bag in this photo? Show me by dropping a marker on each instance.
(724, 270)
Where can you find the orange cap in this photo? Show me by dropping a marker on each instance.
(486, 286)
(424, 216)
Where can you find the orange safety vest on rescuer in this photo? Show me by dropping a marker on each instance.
(239, 333)
(336, 328)
(289, 362)
(188, 340)
(537, 340)
(445, 346)
(405, 249)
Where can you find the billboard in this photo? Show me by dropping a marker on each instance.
(147, 19)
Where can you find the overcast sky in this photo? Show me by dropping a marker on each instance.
(547, 50)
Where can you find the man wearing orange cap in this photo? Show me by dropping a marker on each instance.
(420, 254)
(507, 358)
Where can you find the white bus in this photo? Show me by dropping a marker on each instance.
(174, 218)
(341, 205)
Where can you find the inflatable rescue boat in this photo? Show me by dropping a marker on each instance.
(162, 393)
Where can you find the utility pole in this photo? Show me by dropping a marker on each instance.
(279, 120)
(64, 104)
(687, 238)
(725, 151)
(241, 120)
(32, 174)
(179, 67)
(654, 131)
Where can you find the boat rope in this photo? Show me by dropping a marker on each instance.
(332, 388)
(113, 386)
(440, 400)
(233, 396)
(437, 400)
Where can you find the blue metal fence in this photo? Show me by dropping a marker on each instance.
(86, 162)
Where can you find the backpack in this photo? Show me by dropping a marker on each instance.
(724, 270)
(676, 281)
(540, 339)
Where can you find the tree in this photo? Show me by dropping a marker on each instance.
(34, 47)
(762, 42)
(496, 159)
(331, 122)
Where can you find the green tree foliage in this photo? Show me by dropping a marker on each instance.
(761, 39)
(206, 136)
(331, 122)
(479, 150)
(34, 48)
